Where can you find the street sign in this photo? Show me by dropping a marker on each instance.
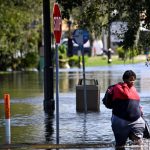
(80, 36)
(57, 34)
(57, 23)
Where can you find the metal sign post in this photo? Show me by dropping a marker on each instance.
(84, 82)
(81, 37)
(57, 34)
(57, 96)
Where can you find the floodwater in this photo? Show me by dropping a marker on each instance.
(29, 123)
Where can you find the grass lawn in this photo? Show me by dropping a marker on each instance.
(102, 60)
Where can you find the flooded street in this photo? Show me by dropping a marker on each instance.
(29, 123)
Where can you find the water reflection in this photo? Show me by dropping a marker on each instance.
(26, 120)
(68, 81)
(29, 84)
(49, 127)
(21, 84)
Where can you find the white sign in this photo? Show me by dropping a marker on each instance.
(118, 29)
(57, 23)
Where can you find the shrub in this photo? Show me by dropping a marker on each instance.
(30, 60)
(129, 53)
(121, 52)
(62, 51)
(76, 60)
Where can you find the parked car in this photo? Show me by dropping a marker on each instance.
(76, 48)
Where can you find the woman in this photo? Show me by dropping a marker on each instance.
(126, 112)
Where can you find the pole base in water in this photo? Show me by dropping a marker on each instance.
(49, 106)
(7, 131)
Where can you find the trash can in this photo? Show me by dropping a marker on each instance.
(93, 95)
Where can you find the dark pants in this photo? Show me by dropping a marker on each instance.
(124, 129)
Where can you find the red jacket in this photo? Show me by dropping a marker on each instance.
(126, 102)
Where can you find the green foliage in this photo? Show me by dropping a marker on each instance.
(120, 52)
(95, 15)
(130, 37)
(144, 40)
(19, 23)
(76, 60)
(62, 51)
(30, 60)
(132, 53)
(126, 53)
(68, 6)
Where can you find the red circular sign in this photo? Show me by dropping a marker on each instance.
(57, 23)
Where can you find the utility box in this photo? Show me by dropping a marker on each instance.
(92, 95)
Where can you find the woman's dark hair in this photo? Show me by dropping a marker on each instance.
(127, 74)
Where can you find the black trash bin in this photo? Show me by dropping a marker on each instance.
(93, 95)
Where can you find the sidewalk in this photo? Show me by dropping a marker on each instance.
(28, 146)
(101, 146)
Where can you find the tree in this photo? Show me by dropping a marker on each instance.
(97, 14)
(19, 23)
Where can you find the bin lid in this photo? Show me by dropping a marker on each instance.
(88, 82)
